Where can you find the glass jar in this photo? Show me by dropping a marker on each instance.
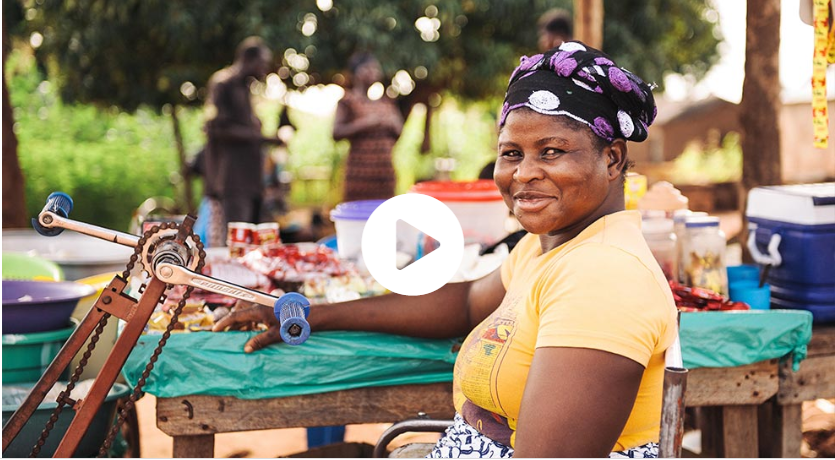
(679, 218)
(703, 254)
(661, 239)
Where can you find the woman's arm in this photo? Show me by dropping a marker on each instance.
(346, 126)
(576, 402)
(451, 311)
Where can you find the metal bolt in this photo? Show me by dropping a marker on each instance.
(166, 272)
(106, 300)
(47, 219)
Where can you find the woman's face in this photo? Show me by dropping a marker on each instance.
(552, 173)
(369, 73)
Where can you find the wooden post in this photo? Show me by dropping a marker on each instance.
(759, 114)
(200, 446)
(588, 22)
(739, 429)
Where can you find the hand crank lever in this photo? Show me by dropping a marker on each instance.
(53, 219)
(291, 309)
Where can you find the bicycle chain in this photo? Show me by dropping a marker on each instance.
(64, 396)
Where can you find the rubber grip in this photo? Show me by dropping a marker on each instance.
(292, 310)
(59, 203)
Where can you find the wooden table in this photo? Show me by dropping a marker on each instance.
(751, 411)
(194, 420)
(815, 379)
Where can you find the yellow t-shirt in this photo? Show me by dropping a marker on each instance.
(602, 290)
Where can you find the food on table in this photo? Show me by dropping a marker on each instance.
(700, 299)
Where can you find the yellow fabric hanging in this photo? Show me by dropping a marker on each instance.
(824, 54)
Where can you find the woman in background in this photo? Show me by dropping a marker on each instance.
(372, 126)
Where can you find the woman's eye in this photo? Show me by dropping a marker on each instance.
(511, 154)
(552, 152)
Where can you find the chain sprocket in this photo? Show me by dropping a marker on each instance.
(142, 253)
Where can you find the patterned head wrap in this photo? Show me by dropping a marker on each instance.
(584, 84)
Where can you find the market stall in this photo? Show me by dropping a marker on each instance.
(371, 378)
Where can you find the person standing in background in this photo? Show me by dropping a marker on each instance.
(234, 161)
(372, 125)
(554, 27)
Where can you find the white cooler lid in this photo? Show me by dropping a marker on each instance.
(804, 204)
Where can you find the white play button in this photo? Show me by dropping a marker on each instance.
(430, 217)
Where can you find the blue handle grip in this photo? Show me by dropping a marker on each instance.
(59, 203)
(292, 310)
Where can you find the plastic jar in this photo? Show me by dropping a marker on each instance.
(679, 218)
(703, 254)
(661, 239)
(478, 205)
(349, 218)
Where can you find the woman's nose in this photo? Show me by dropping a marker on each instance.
(528, 170)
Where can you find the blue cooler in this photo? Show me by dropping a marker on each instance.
(793, 229)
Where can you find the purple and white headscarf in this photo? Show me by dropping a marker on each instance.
(584, 84)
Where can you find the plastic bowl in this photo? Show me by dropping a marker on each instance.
(38, 306)
(26, 356)
(90, 443)
(78, 255)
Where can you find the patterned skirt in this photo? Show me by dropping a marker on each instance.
(463, 441)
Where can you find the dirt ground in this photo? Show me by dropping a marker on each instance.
(259, 444)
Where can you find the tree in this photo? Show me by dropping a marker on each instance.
(760, 107)
(14, 204)
(143, 52)
(161, 53)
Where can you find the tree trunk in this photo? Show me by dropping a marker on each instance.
(188, 196)
(588, 22)
(760, 106)
(14, 204)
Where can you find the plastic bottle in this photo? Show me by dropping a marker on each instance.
(703, 254)
(661, 239)
(634, 187)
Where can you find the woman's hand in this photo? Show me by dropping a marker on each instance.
(246, 315)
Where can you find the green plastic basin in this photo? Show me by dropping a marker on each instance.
(26, 356)
(28, 436)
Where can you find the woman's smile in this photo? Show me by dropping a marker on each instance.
(529, 201)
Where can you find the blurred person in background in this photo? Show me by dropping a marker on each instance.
(234, 161)
(554, 27)
(372, 124)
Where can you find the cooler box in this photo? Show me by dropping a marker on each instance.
(794, 225)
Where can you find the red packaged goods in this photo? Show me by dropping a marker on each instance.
(700, 299)
(289, 262)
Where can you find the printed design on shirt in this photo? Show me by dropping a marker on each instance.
(481, 355)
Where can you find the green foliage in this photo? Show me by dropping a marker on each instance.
(655, 37)
(141, 52)
(108, 161)
(711, 164)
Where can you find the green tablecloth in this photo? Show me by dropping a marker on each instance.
(737, 338)
(214, 363)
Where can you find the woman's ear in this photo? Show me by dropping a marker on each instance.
(616, 157)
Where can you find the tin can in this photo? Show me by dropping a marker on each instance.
(268, 234)
(241, 233)
(240, 238)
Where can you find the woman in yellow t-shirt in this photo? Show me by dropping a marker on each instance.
(565, 343)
